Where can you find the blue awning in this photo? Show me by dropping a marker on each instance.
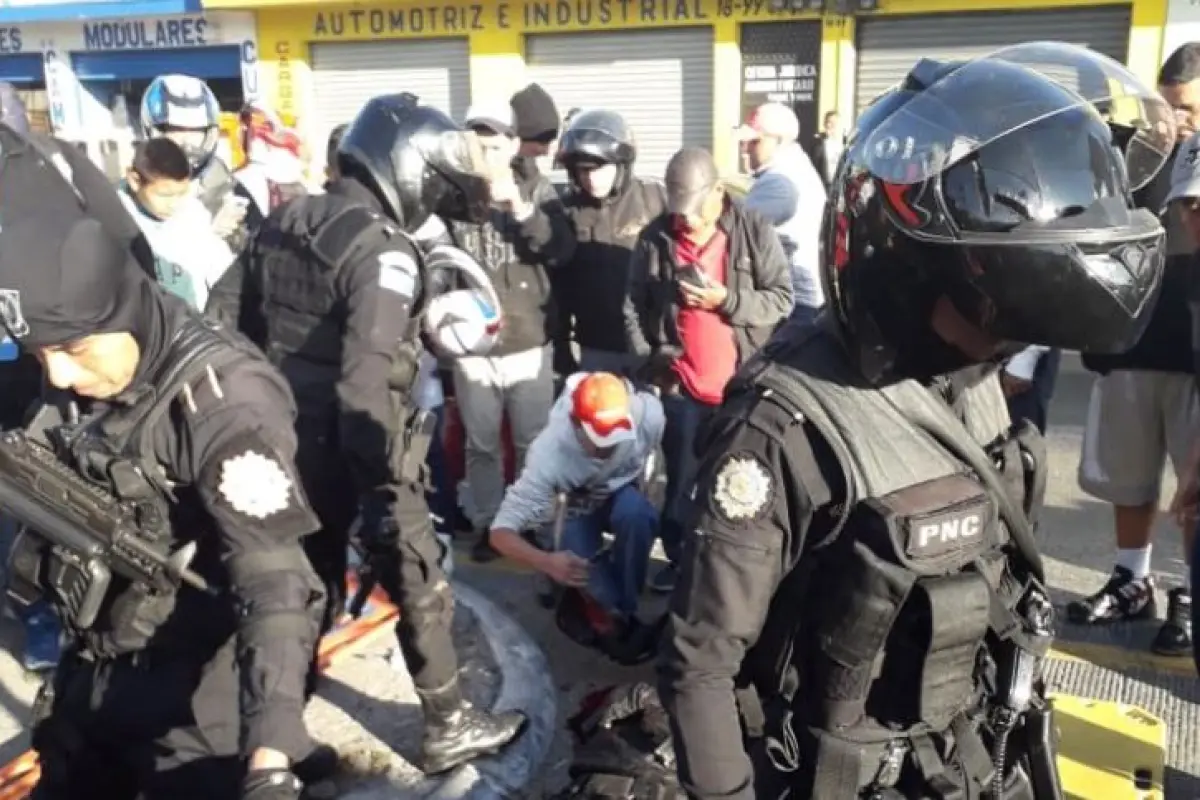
(14, 13)
(202, 62)
(22, 68)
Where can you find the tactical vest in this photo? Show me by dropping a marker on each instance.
(299, 256)
(915, 603)
(115, 451)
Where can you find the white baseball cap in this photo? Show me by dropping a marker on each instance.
(494, 116)
(770, 119)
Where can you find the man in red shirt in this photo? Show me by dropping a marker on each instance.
(708, 284)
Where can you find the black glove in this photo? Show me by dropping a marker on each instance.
(271, 784)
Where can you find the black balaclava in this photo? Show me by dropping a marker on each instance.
(64, 278)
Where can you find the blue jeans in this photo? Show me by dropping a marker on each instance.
(1034, 403)
(442, 498)
(616, 580)
(684, 416)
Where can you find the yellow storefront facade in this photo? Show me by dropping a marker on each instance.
(681, 70)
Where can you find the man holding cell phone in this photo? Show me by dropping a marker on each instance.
(708, 284)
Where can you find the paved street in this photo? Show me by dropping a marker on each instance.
(1077, 539)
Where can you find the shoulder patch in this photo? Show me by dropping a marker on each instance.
(742, 488)
(398, 272)
(255, 485)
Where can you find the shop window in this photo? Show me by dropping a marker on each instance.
(37, 106)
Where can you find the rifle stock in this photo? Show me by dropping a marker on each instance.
(93, 535)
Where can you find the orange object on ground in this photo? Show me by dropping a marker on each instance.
(19, 777)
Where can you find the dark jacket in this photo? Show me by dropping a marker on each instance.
(816, 151)
(590, 290)
(518, 256)
(1165, 344)
(759, 281)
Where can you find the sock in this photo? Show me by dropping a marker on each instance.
(1136, 561)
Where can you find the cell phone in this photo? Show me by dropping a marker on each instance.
(691, 275)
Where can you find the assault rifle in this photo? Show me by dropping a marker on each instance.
(79, 536)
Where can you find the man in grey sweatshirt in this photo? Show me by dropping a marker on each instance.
(600, 434)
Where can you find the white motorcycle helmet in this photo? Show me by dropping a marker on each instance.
(185, 109)
(466, 321)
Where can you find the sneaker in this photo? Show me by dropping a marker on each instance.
(1122, 599)
(1175, 636)
(664, 580)
(481, 551)
(42, 634)
(634, 642)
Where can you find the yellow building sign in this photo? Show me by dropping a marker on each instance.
(530, 16)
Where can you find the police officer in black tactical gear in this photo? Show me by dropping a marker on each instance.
(166, 690)
(608, 208)
(332, 288)
(862, 588)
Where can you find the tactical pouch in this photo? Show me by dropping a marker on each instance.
(933, 528)
(411, 446)
(900, 612)
(74, 584)
(956, 608)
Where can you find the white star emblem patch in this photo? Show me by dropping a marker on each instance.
(255, 485)
(742, 489)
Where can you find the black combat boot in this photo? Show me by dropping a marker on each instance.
(457, 732)
(1175, 636)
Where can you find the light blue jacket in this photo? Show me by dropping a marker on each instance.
(789, 192)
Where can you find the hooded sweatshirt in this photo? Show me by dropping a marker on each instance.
(556, 462)
(189, 257)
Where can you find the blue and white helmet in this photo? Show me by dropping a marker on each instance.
(186, 107)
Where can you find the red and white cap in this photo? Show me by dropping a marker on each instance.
(600, 405)
(770, 119)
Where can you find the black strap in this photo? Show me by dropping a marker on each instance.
(335, 240)
(931, 763)
(838, 768)
(976, 761)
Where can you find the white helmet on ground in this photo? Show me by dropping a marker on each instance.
(462, 321)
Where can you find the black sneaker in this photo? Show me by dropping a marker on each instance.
(481, 551)
(664, 580)
(1122, 599)
(1175, 636)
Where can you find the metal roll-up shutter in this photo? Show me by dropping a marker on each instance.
(347, 74)
(660, 81)
(889, 46)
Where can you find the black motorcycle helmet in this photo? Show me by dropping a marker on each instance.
(417, 160)
(600, 136)
(998, 185)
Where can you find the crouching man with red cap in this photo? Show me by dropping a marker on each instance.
(585, 469)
